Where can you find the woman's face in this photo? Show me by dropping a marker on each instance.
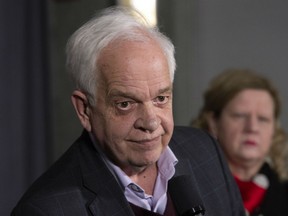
(245, 127)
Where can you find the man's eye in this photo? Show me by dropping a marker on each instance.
(125, 105)
(161, 99)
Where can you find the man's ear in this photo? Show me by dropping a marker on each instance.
(212, 123)
(80, 103)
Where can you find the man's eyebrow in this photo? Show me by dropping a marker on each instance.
(165, 90)
(118, 93)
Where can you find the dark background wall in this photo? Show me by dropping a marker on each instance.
(211, 36)
(37, 121)
(65, 17)
(24, 97)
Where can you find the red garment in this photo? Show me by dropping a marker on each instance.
(253, 192)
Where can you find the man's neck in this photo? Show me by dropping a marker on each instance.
(145, 178)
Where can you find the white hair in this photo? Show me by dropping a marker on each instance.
(84, 46)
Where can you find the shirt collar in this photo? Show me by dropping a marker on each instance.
(166, 165)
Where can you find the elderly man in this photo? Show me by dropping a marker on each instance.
(130, 159)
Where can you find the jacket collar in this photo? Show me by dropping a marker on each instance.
(100, 181)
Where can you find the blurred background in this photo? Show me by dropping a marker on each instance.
(37, 121)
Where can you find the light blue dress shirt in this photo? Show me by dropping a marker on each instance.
(134, 193)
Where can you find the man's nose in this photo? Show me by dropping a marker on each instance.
(147, 118)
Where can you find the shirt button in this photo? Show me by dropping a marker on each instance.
(134, 187)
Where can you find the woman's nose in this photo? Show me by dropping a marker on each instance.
(252, 123)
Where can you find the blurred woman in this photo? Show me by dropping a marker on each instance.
(241, 110)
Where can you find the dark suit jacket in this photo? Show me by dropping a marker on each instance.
(79, 183)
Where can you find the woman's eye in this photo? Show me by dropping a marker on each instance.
(239, 115)
(264, 119)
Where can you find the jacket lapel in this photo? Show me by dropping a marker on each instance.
(108, 196)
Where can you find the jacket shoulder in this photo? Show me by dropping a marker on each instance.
(62, 179)
(193, 141)
(187, 132)
(199, 154)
